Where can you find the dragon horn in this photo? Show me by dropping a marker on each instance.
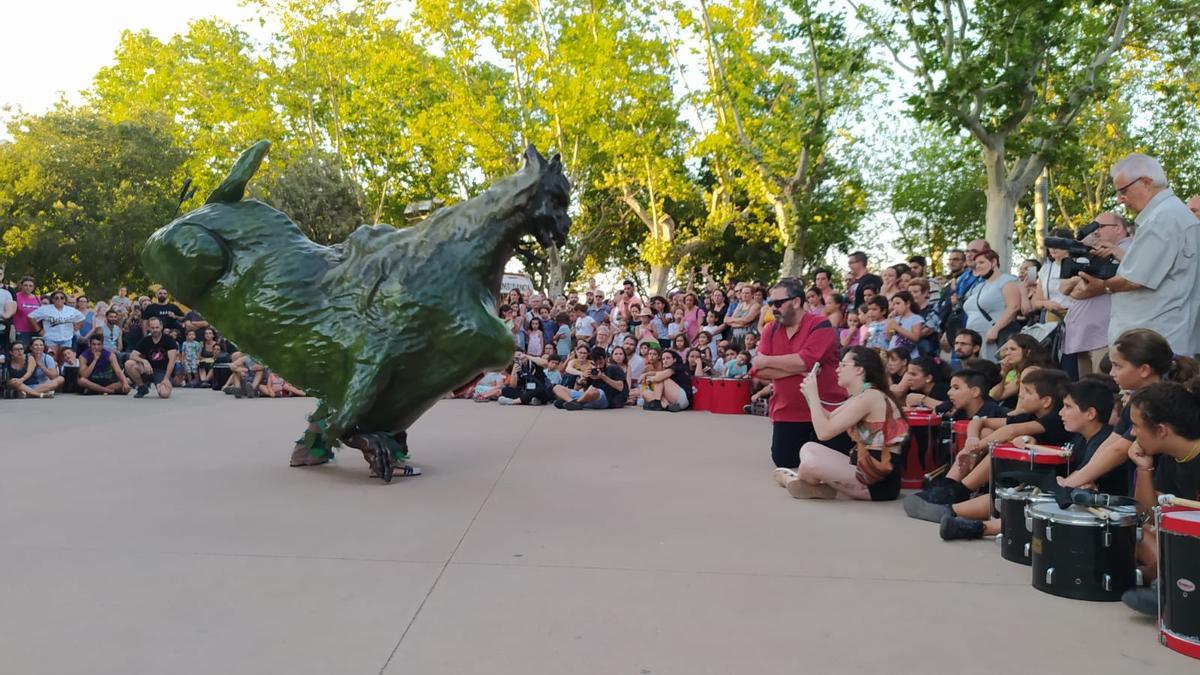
(234, 186)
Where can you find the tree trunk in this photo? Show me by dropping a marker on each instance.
(793, 242)
(660, 276)
(1000, 204)
(555, 281)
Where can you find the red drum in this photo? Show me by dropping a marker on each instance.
(702, 392)
(960, 435)
(922, 442)
(1007, 457)
(1179, 579)
(730, 396)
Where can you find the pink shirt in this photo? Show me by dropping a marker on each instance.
(692, 320)
(25, 304)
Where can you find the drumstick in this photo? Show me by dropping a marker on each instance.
(1049, 449)
(937, 472)
(1172, 500)
(1102, 514)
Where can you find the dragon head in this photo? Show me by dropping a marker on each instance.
(548, 196)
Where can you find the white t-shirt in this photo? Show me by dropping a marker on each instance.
(1050, 281)
(585, 326)
(59, 324)
(5, 298)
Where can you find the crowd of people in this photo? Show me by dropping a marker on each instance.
(1088, 352)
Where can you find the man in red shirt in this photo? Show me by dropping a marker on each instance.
(789, 348)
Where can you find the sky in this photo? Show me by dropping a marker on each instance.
(52, 48)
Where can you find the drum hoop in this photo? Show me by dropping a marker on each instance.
(1118, 519)
(1183, 527)
(1012, 453)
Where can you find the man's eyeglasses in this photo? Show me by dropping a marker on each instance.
(1121, 190)
(779, 303)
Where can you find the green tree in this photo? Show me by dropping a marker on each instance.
(79, 195)
(319, 196)
(1014, 74)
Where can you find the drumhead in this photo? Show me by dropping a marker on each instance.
(1181, 522)
(1079, 515)
(1024, 493)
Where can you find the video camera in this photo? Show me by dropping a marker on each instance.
(1080, 257)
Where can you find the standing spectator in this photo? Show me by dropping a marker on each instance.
(859, 278)
(210, 351)
(585, 326)
(744, 317)
(717, 309)
(992, 305)
(599, 309)
(693, 317)
(1048, 296)
(1156, 282)
(58, 322)
(1027, 274)
(170, 313)
(121, 298)
(110, 332)
(919, 267)
(1085, 336)
(891, 282)
(535, 342)
(789, 349)
(626, 300)
(84, 328)
(604, 338)
(134, 332)
(27, 302)
(931, 320)
(99, 372)
(8, 307)
(905, 326)
(154, 358)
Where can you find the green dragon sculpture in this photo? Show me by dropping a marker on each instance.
(378, 327)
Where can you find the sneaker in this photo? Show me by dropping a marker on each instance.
(954, 527)
(952, 492)
(536, 401)
(1143, 600)
(801, 489)
(674, 407)
(228, 390)
(572, 405)
(653, 405)
(748, 409)
(559, 404)
(783, 476)
(919, 508)
(141, 392)
(504, 400)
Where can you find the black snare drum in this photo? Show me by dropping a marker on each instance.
(1178, 579)
(1016, 530)
(1076, 554)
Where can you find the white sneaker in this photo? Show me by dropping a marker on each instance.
(783, 476)
(504, 400)
(801, 489)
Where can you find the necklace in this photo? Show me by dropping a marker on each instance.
(1191, 455)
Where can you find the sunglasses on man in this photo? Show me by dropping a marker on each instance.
(779, 303)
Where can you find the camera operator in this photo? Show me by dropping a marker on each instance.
(1085, 328)
(527, 385)
(601, 386)
(1153, 286)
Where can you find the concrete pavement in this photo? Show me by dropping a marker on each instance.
(170, 537)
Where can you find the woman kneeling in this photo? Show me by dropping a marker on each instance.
(873, 420)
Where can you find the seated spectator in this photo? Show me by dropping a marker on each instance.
(1166, 422)
(274, 386)
(875, 422)
(99, 370)
(750, 344)
(739, 366)
(698, 366)
(646, 330)
(153, 359)
(680, 345)
(895, 365)
(926, 381)
(33, 375)
(875, 332)
(671, 385)
(246, 374)
(489, 387)
(1020, 353)
(601, 386)
(58, 322)
(967, 345)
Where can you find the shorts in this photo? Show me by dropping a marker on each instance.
(600, 403)
(103, 379)
(683, 401)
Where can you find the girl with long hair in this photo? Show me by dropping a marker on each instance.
(875, 422)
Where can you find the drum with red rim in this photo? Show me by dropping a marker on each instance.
(1007, 457)
(1179, 579)
(702, 389)
(730, 396)
(923, 425)
(960, 434)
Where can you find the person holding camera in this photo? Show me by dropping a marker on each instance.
(1153, 286)
(601, 386)
(1085, 329)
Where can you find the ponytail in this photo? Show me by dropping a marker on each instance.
(1183, 369)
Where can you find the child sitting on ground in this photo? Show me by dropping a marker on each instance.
(1085, 411)
(1036, 419)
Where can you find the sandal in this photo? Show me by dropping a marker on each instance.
(401, 471)
(783, 476)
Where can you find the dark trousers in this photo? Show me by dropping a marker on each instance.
(788, 437)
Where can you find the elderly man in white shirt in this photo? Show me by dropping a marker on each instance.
(1155, 286)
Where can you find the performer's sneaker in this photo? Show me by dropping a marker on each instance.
(1143, 600)
(142, 390)
(955, 527)
(572, 405)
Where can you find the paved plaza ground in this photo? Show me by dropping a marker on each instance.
(166, 537)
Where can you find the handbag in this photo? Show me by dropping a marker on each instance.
(865, 470)
(1007, 331)
(1049, 336)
